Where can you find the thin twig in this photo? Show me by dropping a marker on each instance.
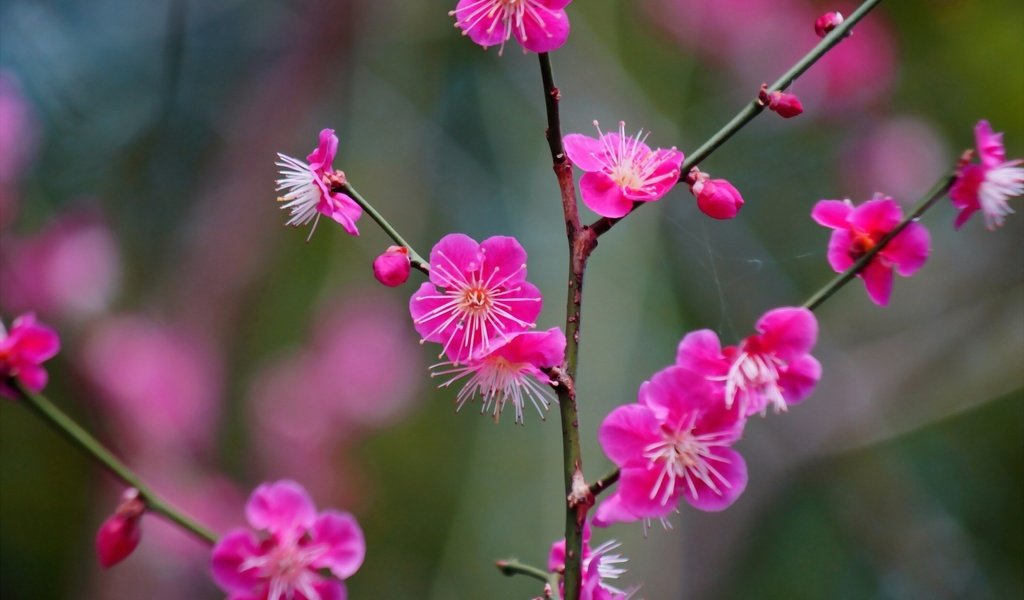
(415, 259)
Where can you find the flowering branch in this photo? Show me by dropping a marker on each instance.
(79, 437)
(939, 190)
(415, 259)
(511, 566)
(581, 243)
(604, 483)
(756, 106)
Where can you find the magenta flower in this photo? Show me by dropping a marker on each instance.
(23, 350)
(600, 568)
(621, 170)
(308, 188)
(392, 267)
(481, 295)
(772, 367)
(119, 535)
(858, 229)
(988, 185)
(827, 22)
(538, 25)
(510, 371)
(292, 560)
(674, 443)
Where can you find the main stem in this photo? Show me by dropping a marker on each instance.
(85, 442)
(755, 107)
(581, 243)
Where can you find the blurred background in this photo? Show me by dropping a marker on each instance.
(215, 349)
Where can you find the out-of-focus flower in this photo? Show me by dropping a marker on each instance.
(392, 267)
(902, 155)
(785, 104)
(772, 367)
(621, 170)
(538, 25)
(987, 185)
(23, 350)
(71, 269)
(674, 443)
(717, 198)
(119, 535)
(307, 187)
(600, 568)
(160, 384)
(858, 229)
(511, 370)
(18, 140)
(298, 545)
(827, 22)
(483, 295)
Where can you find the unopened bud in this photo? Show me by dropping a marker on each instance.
(392, 267)
(717, 198)
(827, 22)
(786, 105)
(119, 535)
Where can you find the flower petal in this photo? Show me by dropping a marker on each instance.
(839, 250)
(733, 471)
(230, 552)
(322, 158)
(701, 351)
(482, 24)
(832, 213)
(603, 196)
(283, 508)
(788, 332)
(799, 379)
(505, 254)
(990, 145)
(344, 210)
(341, 534)
(454, 256)
(878, 281)
(545, 30)
(611, 511)
(585, 152)
(909, 250)
(878, 215)
(626, 431)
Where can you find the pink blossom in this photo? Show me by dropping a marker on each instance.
(989, 184)
(600, 568)
(23, 350)
(538, 25)
(119, 535)
(511, 370)
(308, 188)
(481, 295)
(674, 442)
(827, 22)
(392, 267)
(772, 367)
(298, 544)
(858, 229)
(717, 198)
(621, 170)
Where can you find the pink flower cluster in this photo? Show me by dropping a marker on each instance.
(23, 350)
(480, 308)
(987, 185)
(675, 441)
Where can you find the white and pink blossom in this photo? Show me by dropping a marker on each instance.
(600, 568)
(986, 186)
(308, 188)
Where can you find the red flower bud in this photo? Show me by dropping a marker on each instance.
(392, 267)
(827, 22)
(717, 198)
(119, 535)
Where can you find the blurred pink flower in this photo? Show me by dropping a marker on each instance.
(858, 229)
(717, 198)
(23, 350)
(824, 24)
(483, 295)
(119, 535)
(18, 141)
(299, 545)
(70, 269)
(600, 567)
(308, 188)
(987, 185)
(510, 371)
(538, 25)
(674, 443)
(160, 384)
(392, 267)
(772, 367)
(903, 155)
(621, 169)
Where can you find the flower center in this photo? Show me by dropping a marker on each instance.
(628, 162)
(287, 569)
(475, 301)
(511, 15)
(863, 242)
(682, 455)
(754, 377)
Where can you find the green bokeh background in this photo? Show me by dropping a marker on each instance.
(900, 478)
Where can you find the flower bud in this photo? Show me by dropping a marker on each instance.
(392, 267)
(827, 22)
(787, 105)
(717, 198)
(119, 535)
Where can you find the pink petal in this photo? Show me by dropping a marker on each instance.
(964, 192)
(230, 552)
(540, 348)
(344, 211)
(555, 4)
(878, 281)
(283, 508)
(322, 158)
(990, 145)
(799, 379)
(556, 557)
(909, 250)
(679, 392)
(701, 351)
(454, 254)
(33, 377)
(329, 589)
(832, 213)
(603, 196)
(733, 470)
(669, 161)
(635, 488)
(788, 332)
(37, 343)
(881, 214)
(505, 254)
(611, 511)
(839, 250)
(545, 31)
(626, 431)
(482, 25)
(341, 534)
(585, 152)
